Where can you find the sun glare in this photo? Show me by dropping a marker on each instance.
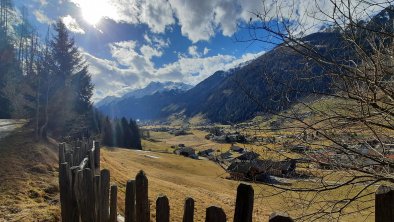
(94, 10)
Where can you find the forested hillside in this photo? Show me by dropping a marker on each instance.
(46, 80)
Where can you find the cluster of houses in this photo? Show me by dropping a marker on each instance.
(227, 138)
(242, 164)
(362, 155)
(248, 166)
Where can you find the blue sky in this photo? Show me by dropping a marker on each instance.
(129, 43)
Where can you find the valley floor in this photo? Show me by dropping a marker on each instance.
(178, 178)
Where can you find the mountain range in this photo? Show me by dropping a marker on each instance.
(270, 83)
(150, 89)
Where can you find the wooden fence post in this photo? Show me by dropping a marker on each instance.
(130, 201)
(64, 187)
(215, 214)
(162, 209)
(97, 195)
(104, 198)
(87, 196)
(188, 213)
(280, 217)
(113, 214)
(91, 162)
(74, 193)
(244, 203)
(384, 204)
(97, 155)
(69, 159)
(77, 156)
(142, 201)
(62, 151)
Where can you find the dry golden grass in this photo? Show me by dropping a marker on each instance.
(178, 178)
(28, 179)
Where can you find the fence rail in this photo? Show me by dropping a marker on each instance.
(86, 194)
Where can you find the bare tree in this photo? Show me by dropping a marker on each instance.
(340, 102)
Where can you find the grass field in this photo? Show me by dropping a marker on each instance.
(28, 179)
(179, 177)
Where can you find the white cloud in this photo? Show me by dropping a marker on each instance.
(133, 68)
(157, 15)
(123, 52)
(193, 51)
(157, 41)
(149, 52)
(72, 24)
(206, 50)
(203, 19)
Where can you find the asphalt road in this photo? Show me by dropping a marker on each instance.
(9, 125)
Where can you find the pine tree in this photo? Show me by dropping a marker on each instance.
(127, 135)
(71, 84)
(119, 134)
(107, 133)
(135, 135)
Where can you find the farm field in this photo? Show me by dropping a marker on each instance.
(179, 177)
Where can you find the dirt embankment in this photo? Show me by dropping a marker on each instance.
(28, 179)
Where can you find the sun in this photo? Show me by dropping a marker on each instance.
(94, 10)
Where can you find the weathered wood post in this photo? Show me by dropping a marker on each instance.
(384, 204)
(87, 196)
(280, 217)
(91, 162)
(97, 195)
(64, 187)
(113, 212)
(142, 201)
(130, 201)
(62, 151)
(74, 193)
(104, 198)
(188, 213)
(215, 214)
(77, 156)
(244, 203)
(97, 156)
(162, 209)
(69, 159)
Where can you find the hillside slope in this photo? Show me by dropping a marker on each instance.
(272, 82)
(28, 179)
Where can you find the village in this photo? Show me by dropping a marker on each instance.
(252, 158)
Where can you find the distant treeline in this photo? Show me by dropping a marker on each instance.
(48, 81)
(121, 133)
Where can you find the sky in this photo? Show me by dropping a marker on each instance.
(129, 43)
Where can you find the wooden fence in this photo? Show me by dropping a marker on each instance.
(86, 194)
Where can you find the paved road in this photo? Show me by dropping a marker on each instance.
(9, 125)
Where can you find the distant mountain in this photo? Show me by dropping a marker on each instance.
(107, 100)
(150, 89)
(155, 87)
(257, 86)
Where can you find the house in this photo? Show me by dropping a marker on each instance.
(261, 169)
(276, 168)
(205, 153)
(237, 149)
(248, 156)
(240, 171)
(186, 152)
(225, 156)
